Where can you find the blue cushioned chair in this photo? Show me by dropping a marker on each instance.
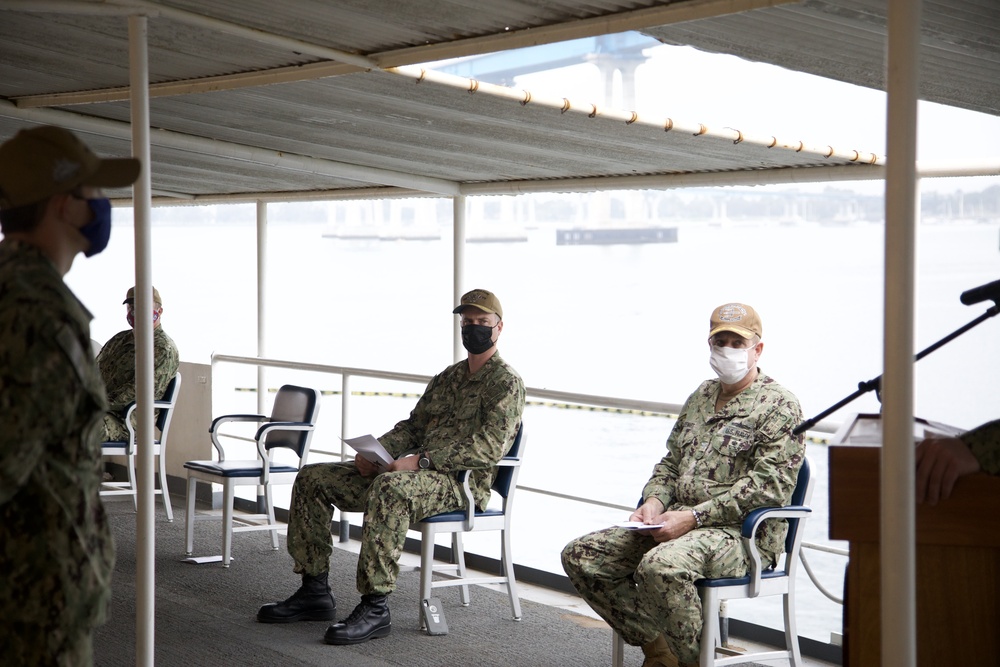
(758, 583)
(290, 426)
(472, 520)
(165, 413)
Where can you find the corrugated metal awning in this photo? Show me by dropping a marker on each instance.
(249, 100)
(253, 100)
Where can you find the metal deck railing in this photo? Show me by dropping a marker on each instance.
(535, 396)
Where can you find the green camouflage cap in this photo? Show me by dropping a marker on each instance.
(130, 296)
(48, 160)
(481, 299)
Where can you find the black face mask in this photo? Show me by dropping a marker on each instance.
(477, 338)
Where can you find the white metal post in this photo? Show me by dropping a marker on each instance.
(345, 404)
(458, 266)
(142, 210)
(898, 525)
(261, 319)
(261, 303)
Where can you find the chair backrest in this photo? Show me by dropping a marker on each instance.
(293, 404)
(166, 412)
(506, 474)
(800, 496)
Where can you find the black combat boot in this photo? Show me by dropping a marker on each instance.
(369, 620)
(312, 602)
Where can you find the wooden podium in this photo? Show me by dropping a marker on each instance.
(957, 559)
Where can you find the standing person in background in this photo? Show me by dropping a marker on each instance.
(117, 363)
(56, 549)
(730, 451)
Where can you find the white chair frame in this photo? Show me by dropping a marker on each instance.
(467, 521)
(757, 583)
(261, 471)
(128, 449)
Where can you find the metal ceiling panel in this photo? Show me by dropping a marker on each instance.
(845, 40)
(253, 97)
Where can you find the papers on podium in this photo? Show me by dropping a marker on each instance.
(370, 448)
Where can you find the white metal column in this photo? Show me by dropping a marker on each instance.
(145, 542)
(898, 527)
(458, 266)
(261, 302)
(261, 319)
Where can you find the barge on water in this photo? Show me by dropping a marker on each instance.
(613, 235)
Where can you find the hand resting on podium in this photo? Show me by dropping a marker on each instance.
(940, 462)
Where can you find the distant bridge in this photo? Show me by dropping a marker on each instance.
(621, 53)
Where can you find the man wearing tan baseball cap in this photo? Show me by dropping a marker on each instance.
(731, 450)
(52, 523)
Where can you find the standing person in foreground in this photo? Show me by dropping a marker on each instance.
(56, 549)
(731, 451)
(466, 419)
(117, 363)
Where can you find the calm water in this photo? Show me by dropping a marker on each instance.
(627, 321)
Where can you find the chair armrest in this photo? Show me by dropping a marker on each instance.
(213, 430)
(130, 408)
(262, 434)
(753, 520)
(749, 529)
(470, 503)
(219, 421)
(127, 418)
(282, 426)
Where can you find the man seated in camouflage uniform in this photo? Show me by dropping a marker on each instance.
(57, 552)
(941, 461)
(731, 451)
(117, 363)
(466, 419)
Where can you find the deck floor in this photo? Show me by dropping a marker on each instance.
(205, 614)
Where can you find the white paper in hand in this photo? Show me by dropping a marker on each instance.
(638, 525)
(370, 448)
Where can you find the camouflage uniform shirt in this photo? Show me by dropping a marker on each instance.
(56, 549)
(725, 464)
(984, 442)
(117, 364)
(464, 422)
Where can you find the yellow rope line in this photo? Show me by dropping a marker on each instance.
(545, 404)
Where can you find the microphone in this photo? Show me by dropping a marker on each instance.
(989, 291)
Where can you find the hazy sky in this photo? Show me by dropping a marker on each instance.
(719, 90)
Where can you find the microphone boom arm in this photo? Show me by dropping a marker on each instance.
(876, 383)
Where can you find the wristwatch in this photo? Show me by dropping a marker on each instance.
(423, 462)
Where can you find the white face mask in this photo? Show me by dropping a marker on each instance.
(730, 363)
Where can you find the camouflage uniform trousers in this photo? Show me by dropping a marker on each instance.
(114, 429)
(30, 645)
(643, 588)
(390, 501)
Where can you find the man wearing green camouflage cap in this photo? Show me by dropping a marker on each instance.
(57, 553)
(730, 451)
(117, 363)
(466, 419)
